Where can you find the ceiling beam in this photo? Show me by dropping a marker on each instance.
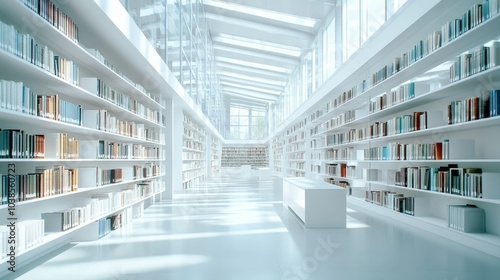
(262, 56)
(243, 92)
(236, 24)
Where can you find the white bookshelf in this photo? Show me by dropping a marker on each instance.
(238, 155)
(336, 139)
(194, 165)
(215, 156)
(149, 129)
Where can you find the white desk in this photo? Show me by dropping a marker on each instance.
(316, 203)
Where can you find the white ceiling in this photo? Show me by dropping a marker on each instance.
(258, 43)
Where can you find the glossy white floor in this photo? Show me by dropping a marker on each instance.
(239, 230)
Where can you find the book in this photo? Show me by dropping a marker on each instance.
(466, 218)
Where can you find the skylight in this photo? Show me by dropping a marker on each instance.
(268, 14)
(253, 64)
(258, 45)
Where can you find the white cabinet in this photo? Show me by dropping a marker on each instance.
(316, 203)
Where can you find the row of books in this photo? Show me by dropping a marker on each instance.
(194, 134)
(475, 61)
(466, 218)
(316, 168)
(27, 48)
(391, 200)
(43, 182)
(316, 114)
(66, 219)
(298, 147)
(340, 169)
(192, 156)
(402, 124)
(316, 129)
(389, 99)
(108, 176)
(474, 108)
(317, 143)
(297, 127)
(295, 156)
(97, 54)
(49, 11)
(100, 88)
(445, 179)
(15, 143)
(193, 145)
(341, 183)
(103, 227)
(103, 120)
(346, 117)
(146, 171)
(295, 173)
(297, 165)
(64, 147)
(17, 97)
(420, 50)
(352, 135)
(191, 165)
(340, 154)
(297, 137)
(115, 150)
(196, 174)
(316, 156)
(347, 95)
(477, 14)
(449, 31)
(398, 151)
(27, 234)
(191, 123)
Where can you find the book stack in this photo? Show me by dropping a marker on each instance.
(66, 219)
(103, 227)
(466, 218)
(28, 233)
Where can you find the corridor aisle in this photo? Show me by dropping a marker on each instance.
(238, 229)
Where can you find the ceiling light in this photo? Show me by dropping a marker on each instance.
(253, 79)
(268, 14)
(273, 92)
(258, 45)
(253, 64)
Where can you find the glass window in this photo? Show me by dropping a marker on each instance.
(329, 50)
(373, 17)
(351, 27)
